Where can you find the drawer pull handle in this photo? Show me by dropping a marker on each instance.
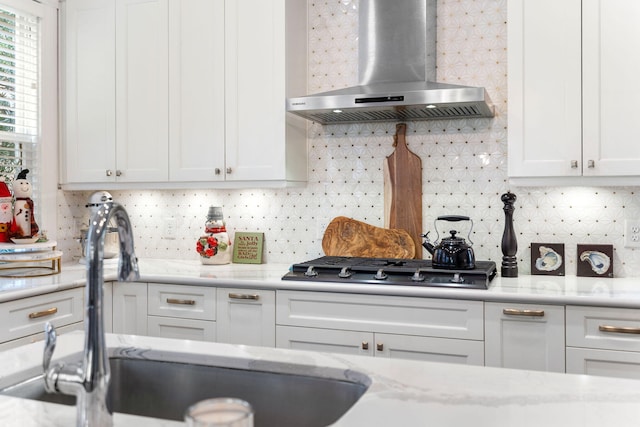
(523, 312)
(244, 296)
(365, 345)
(379, 346)
(619, 329)
(180, 301)
(44, 313)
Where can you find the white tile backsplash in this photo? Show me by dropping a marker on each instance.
(464, 165)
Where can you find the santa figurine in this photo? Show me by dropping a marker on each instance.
(24, 224)
(6, 211)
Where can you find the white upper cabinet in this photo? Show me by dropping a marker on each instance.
(572, 66)
(265, 62)
(165, 93)
(115, 105)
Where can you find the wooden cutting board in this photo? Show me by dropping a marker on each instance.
(349, 237)
(403, 189)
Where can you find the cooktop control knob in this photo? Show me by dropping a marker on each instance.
(417, 277)
(345, 273)
(310, 272)
(380, 275)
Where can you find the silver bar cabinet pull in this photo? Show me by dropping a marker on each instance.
(254, 297)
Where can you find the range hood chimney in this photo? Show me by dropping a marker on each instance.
(396, 71)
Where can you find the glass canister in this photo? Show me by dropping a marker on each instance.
(214, 247)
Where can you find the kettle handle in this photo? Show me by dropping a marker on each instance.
(455, 218)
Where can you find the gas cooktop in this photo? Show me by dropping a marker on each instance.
(391, 271)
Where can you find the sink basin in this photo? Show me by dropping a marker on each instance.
(161, 389)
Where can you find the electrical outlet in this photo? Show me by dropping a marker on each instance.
(631, 233)
(321, 226)
(170, 228)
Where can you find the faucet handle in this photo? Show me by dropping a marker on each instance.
(50, 339)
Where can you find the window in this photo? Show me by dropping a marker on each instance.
(19, 95)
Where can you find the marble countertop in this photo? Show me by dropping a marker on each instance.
(401, 392)
(616, 292)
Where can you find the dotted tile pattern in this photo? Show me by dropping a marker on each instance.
(464, 165)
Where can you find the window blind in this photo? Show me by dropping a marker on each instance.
(19, 95)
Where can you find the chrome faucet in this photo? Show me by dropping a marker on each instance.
(89, 380)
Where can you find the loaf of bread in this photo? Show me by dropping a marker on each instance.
(349, 237)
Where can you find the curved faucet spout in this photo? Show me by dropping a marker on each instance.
(90, 382)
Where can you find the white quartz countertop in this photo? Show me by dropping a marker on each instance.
(401, 392)
(616, 292)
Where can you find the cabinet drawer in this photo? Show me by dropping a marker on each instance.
(376, 313)
(184, 329)
(27, 316)
(79, 326)
(604, 328)
(619, 364)
(187, 302)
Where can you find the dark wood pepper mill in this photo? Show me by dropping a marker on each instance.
(509, 242)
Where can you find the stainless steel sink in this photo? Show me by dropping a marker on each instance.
(164, 390)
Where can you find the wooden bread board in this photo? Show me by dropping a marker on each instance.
(349, 237)
(403, 190)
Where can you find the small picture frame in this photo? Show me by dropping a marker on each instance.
(547, 259)
(595, 260)
(248, 247)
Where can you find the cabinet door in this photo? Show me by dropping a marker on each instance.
(620, 364)
(545, 103)
(130, 308)
(611, 67)
(196, 90)
(246, 316)
(431, 349)
(89, 90)
(142, 84)
(256, 81)
(525, 336)
(325, 340)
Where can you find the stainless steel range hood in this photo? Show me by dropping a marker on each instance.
(396, 69)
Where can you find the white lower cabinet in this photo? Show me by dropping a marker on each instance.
(246, 316)
(603, 341)
(525, 336)
(388, 326)
(23, 320)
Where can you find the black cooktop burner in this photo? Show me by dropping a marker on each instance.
(391, 271)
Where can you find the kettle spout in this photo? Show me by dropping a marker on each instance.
(427, 244)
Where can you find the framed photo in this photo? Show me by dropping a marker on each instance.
(595, 260)
(547, 259)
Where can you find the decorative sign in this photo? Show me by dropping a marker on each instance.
(595, 260)
(247, 247)
(547, 259)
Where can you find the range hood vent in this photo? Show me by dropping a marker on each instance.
(396, 68)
